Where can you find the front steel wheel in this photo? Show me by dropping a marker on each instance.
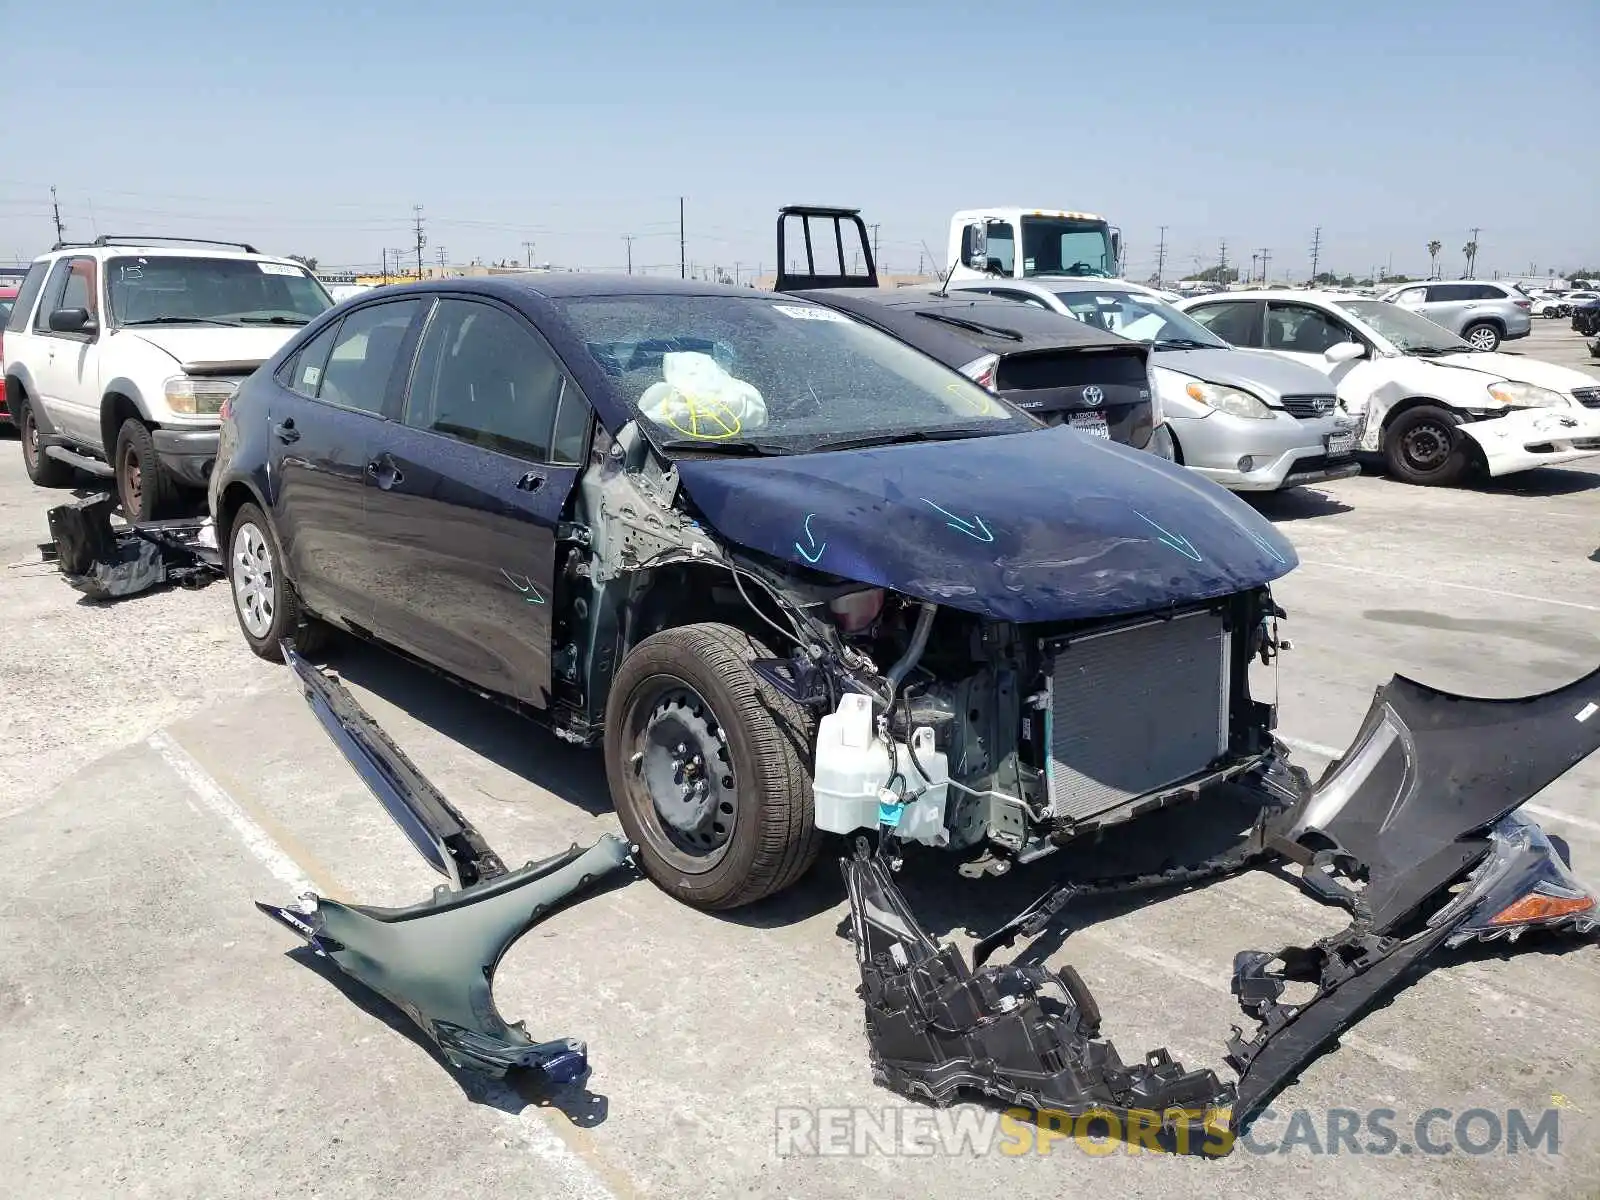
(710, 768)
(1424, 446)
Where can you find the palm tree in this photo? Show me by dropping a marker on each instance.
(1433, 258)
(1471, 251)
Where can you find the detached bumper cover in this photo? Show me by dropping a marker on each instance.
(107, 563)
(1413, 831)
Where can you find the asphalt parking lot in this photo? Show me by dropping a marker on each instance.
(162, 1038)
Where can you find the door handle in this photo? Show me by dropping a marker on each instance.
(285, 431)
(384, 473)
(530, 482)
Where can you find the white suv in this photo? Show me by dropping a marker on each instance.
(119, 355)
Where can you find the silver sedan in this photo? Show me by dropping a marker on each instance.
(1249, 420)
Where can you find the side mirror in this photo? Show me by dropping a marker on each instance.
(1344, 352)
(977, 245)
(1116, 250)
(71, 320)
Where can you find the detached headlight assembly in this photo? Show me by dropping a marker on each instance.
(198, 397)
(1525, 395)
(1234, 401)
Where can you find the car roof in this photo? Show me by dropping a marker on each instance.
(562, 285)
(154, 249)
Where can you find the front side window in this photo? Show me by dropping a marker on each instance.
(1300, 329)
(79, 290)
(52, 296)
(364, 355)
(26, 295)
(483, 378)
(781, 375)
(193, 290)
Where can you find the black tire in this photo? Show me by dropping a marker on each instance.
(145, 488)
(1484, 336)
(281, 614)
(1424, 446)
(759, 833)
(43, 471)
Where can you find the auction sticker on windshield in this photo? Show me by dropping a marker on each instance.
(804, 312)
(278, 269)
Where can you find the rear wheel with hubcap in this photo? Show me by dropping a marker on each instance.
(263, 598)
(43, 471)
(1425, 446)
(709, 768)
(1482, 336)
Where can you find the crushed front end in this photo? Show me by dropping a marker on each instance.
(1414, 832)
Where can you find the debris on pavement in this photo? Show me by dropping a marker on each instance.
(107, 562)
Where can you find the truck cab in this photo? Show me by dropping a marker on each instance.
(1027, 243)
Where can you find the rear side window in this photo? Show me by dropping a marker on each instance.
(1450, 291)
(52, 296)
(26, 295)
(1236, 322)
(303, 373)
(1488, 291)
(482, 377)
(364, 355)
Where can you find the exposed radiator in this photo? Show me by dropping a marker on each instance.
(1135, 710)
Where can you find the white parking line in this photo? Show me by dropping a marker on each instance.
(1465, 587)
(572, 1175)
(1538, 810)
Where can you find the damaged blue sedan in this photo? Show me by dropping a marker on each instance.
(796, 576)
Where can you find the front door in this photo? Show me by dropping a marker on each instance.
(69, 368)
(328, 403)
(464, 496)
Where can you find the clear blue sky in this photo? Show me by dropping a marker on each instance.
(314, 128)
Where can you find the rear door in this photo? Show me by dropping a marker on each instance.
(329, 402)
(465, 494)
(1448, 303)
(1304, 333)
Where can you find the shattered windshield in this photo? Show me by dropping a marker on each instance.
(1140, 317)
(1067, 246)
(1406, 330)
(191, 290)
(775, 375)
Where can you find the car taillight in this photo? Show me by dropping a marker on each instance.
(227, 409)
(1523, 303)
(982, 370)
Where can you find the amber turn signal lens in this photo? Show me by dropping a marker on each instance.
(1536, 906)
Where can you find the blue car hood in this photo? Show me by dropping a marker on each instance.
(1041, 526)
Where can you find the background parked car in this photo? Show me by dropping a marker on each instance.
(1056, 369)
(1248, 420)
(1431, 404)
(8, 298)
(1586, 316)
(1479, 311)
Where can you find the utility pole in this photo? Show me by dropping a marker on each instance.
(1266, 257)
(1161, 257)
(56, 209)
(736, 267)
(442, 257)
(386, 264)
(1254, 259)
(527, 255)
(422, 239)
(683, 272)
(628, 237)
(874, 229)
(1222, 262)
(1316, 252)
